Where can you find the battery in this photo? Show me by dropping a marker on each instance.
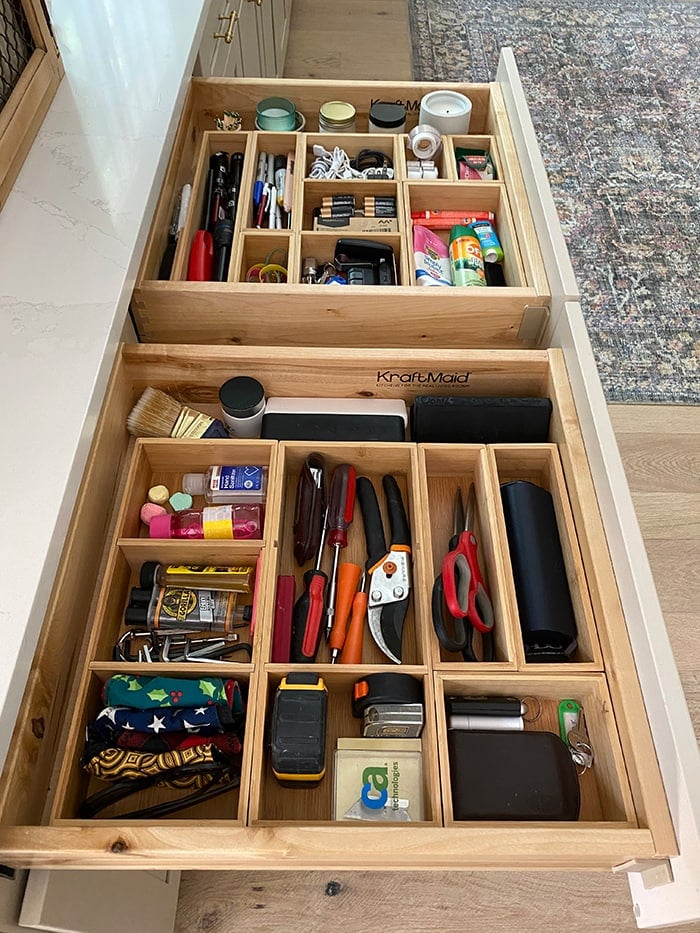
(486, 723)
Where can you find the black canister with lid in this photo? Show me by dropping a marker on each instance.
(242, 406)
(385, 117)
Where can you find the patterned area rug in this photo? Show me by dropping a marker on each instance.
(614, 93)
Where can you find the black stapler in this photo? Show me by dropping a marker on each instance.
(365, 262)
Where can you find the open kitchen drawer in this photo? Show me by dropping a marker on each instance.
(624, 813)
(625, 817)
(242, 312)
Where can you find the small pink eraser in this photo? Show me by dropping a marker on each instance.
(149, 509)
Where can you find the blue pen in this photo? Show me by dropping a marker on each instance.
(259, 180)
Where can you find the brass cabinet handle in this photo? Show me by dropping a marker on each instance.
(232, 20)
(257, 2)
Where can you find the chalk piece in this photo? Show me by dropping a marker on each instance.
(149, 510)
(179, 501)
(158, 494)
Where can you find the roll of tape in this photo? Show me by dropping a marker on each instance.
(424, 141)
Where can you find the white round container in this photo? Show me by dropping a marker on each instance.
(448, 111)
(242, 402)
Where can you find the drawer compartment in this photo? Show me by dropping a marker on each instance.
(75, 785)
(372, 462)
(490, 198)
(273, 804)
(540, 465)
(604, 789)
(449, 470)
(626, 817)
(171, 309)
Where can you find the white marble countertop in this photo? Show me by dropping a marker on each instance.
(71, 237)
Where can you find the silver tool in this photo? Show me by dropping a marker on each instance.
(393, 721)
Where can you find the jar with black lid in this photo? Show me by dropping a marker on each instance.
(385, 117)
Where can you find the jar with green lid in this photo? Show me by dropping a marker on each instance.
(336, 116)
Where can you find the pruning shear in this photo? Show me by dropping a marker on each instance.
(389, 570)
(461, 586)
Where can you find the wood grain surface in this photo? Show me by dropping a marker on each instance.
(660, 446)
(499, 901)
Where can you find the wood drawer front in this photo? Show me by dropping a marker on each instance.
(242, 313)
(624, 812)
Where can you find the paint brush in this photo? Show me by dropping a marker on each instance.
(157, 414)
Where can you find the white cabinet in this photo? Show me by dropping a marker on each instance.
(245, 38)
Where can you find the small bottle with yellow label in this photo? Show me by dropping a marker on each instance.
(224, 522)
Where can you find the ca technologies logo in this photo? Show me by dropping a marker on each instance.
(426, 378)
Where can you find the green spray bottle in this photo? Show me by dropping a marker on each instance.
(465, 257)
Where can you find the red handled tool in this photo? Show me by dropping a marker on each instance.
(341, 505)
(282, 629)
(307, 623)
(462, 586)
(201, 261)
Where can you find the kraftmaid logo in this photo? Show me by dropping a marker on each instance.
(412, 106)
(428, 378)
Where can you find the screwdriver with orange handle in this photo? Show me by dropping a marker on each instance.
(348, 578)
(341, 505)
(352, 649)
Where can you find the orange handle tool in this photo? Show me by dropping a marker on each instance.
(348, 578)
(352, 650)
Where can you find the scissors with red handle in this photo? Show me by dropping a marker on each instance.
(461, 587)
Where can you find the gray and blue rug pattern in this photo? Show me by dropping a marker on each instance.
(614, 93)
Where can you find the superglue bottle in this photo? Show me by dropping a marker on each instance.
(491, 248)
(465, 257)
(224, 522)
(228, 484)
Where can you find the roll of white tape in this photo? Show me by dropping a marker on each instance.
(425, 141)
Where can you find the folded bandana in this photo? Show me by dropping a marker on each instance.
(156, 692)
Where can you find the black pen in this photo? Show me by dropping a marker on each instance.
(235, 186)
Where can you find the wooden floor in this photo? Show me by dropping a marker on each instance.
(660, 446)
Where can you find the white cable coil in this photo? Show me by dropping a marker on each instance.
(336, 164)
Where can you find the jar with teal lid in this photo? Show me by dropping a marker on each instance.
(336, 116)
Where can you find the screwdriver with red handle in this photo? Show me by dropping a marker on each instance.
(341, 505)
(307, 621)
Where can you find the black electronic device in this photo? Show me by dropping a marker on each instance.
(475, 419)
(298, 730)
(365, 262)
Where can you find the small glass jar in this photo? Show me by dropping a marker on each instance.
(385, 117)
(336, 116)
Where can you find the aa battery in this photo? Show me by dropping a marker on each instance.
(379, 206)
(338, 205)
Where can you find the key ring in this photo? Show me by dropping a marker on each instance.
(527, 707)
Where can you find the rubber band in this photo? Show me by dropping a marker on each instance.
(273, 269)
(253, 274)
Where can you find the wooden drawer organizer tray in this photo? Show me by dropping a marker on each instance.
(624, 813)
(237, 312)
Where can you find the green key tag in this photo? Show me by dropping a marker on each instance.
(569, 715)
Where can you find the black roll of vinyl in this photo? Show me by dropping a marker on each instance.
(547, 618)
